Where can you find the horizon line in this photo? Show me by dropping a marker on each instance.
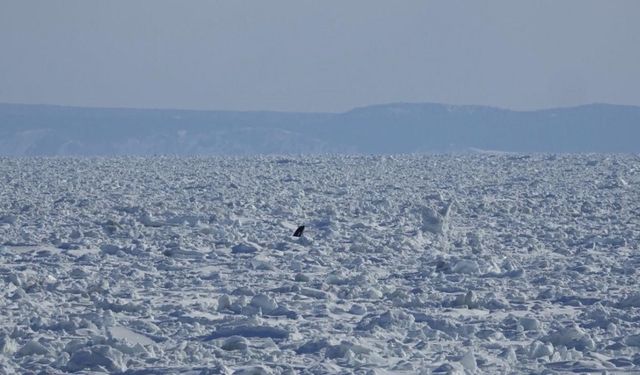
(388, 104)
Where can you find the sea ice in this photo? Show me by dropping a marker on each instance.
(438, 264)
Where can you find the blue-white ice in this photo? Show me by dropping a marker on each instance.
(409, 264)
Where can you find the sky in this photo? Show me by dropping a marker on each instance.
(322, 55)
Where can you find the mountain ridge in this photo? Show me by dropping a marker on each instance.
(33, 129)
(369, 106)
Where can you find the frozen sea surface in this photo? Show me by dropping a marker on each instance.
(408, 264)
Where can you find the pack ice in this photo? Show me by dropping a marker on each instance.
(444, 264)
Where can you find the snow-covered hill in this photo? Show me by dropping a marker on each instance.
(391, 128)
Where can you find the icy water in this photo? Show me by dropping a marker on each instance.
(408, 264)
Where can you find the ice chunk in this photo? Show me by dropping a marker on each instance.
(570, 337)
(632, 340)
(312, 346)
(249, 331)
(244, 248)
(235, 343)
(632, 300)
(449, 369)
(468, 361)
(538, 349)
(357, 309)
(264, 302)
(224, 302)
(529, 323)
(32, 347)
(8, 346)
(435, 221)
(94, 356)
(469, 300)
(315, 293)
(387, 320)
(466, 266)
(253, 370)
(508, 355)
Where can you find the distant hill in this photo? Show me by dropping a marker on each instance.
(391, 128)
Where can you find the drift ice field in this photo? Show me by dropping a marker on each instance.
(449, 264)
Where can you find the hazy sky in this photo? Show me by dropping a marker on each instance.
(304, 55)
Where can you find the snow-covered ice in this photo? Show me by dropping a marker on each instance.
(447, 264)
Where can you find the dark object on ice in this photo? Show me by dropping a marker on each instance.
(298, 232)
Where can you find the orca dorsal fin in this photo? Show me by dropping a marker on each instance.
(298, 232)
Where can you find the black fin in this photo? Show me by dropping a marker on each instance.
(299, 231)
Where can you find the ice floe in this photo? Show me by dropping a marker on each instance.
(441, 264)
